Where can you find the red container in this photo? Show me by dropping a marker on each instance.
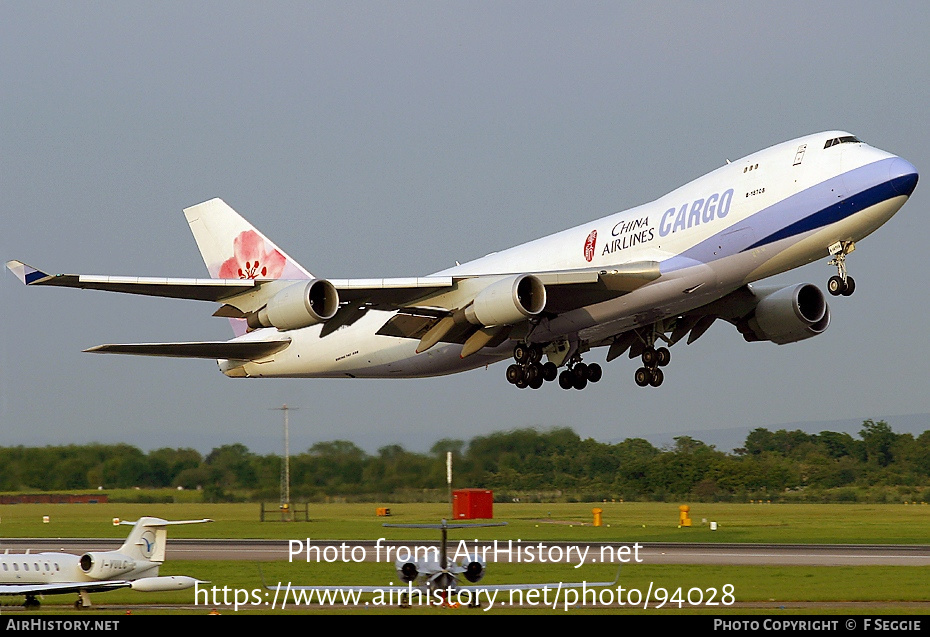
(471, 504)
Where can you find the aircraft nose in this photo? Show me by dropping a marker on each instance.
(903, 176)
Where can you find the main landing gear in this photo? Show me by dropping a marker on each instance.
(579, 374)
(653, 358)
(527, 371)
(841, 283)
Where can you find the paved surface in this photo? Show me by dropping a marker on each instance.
(650, 552)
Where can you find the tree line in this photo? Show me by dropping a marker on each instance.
(777, 465)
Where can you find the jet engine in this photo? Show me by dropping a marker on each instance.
(474, 568)
(786, 315)
(298, 305)
(508, 301)
(106, 565)
(406, 571)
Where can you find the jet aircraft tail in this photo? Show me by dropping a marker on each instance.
(146, 541)
(232, 248)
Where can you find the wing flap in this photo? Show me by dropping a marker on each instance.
(246, 350)
(415, 326)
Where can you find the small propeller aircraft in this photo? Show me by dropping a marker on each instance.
(436, 578)
(134, 565)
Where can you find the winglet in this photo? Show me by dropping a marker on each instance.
(26, 273)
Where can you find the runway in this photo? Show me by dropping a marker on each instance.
(649, 552)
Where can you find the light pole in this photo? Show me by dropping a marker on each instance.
(286, 465)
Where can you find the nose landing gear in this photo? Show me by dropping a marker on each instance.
(842, 283)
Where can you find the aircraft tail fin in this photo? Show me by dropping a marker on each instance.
(232, 248)
(147, 539)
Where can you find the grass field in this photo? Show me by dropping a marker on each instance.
(770, 588)
(623, 522)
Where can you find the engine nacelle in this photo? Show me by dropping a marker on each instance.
(298, 305)
(786, 315)
(474, 568)
(508, 301)
(106, 565)
(163, 583)
(406, 571)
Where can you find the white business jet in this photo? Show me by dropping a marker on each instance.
(639, 280)
(134, 565)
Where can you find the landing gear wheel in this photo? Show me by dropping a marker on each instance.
(521, 353)
(537, 381)
(579, 382)
(649, 356)
(514, 374)
(534, 354)
(533, 372)
(835, 285)
(522, 384)
(643, 376)
(566, 379)
(850, 286)
(594, 372)
(549, 371)
(580, 371)
(657, 377)
(663, 356)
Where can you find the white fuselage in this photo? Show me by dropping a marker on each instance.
(764, 214)
(50, 568)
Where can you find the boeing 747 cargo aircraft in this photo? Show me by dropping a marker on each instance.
(637, 281)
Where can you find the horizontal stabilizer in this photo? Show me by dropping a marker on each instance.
(244, 350)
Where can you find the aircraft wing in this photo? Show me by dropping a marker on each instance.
(390, 293)
(422, 301)
(245, 295)
(62, 587)
(550, 585)
(196, 289)
(486, 587)
(238, 350)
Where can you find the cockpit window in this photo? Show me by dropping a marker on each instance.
(849, 139)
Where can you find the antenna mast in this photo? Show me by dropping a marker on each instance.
(286, 465)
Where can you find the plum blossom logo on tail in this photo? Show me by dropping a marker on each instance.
(251, 260)
(589, 246)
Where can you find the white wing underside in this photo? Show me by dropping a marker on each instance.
(62, 587)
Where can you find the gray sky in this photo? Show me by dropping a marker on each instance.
(392, 138)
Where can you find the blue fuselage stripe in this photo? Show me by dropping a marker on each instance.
(832, 200)
(843, 209)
